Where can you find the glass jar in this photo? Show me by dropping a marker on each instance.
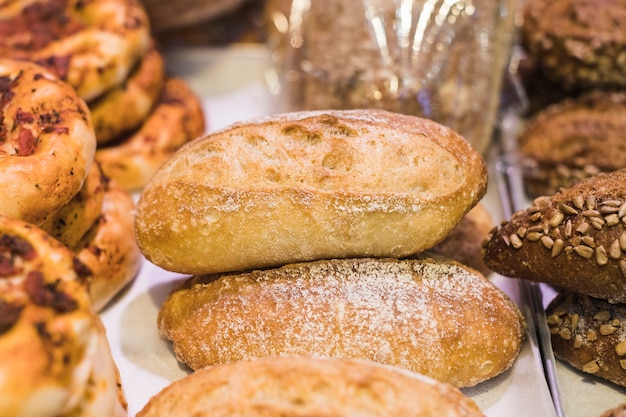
(440, 59)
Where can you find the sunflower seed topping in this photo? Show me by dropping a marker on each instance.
(602, 257)
(578, 341)
(597, 222)
(614, 251)
(568, 209)
(590, 213)
(534, 236)
(622, 241)
(607, 329)
(584, 251)
(591, 367)
(547, 241)
(588, 240)
(557, 247)
(582, 228)
(622, 210)
(579, 202)
(515, 241)
(556, 219)
(611, 219)
(591, 202)
(521, 232)
(620, 348)
(622, 363)
(568, 229)
(602, 315)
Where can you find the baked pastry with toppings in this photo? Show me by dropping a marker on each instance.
(47, 142)
(574, 239)
(589, 334)
(54, 356)
(92, 45)
(306, 386)
(572, 140)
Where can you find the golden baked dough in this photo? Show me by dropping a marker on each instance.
(109, 249)
(54, 358)
(126, 106)
(176, 119)
(305, 386)
(430, 316)
(91, 45)
(306, 186)
(464, 243)
(47, 142)
(74, 219)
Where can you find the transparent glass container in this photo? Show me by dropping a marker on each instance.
(440, 59)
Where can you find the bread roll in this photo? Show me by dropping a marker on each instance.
(590, 335)
(429, 316)
(575, 239)
(464, 242)
(306, 186)
(304, 386)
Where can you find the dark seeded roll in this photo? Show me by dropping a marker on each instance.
(575, 239)
(580, 44)
(590, 335)
(572, 140)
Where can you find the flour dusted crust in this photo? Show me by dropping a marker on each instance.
(54, 357)
(47, 142)
(92, 45)
(305, 186)
(589, 334)
(299, 386)
(176, 119)
(109, 249)
(574, 239)
(430, 316)
(125, 107)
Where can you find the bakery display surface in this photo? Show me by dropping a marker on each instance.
(147, 362)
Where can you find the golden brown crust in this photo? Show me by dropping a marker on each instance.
(47, 142)
(589, 334)
(464, 242)
(305, 186)
(51, 343)
(74, 219)
(575, 239)
(619, 411)
(109, 249)
(92, 45)
(177, 119)
(305, 386)
(572, 140)
(126, 106)
(433, 317)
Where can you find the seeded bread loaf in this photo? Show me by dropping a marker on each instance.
(306, 186)
(574, 239)
(306, 386)
(430, 316)
(589, 334)
(572, 140)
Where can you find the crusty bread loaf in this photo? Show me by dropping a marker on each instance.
(464, 242)
(306, 186)
(575, 239)
(573, 139)
(430, 316)
(619, 411)
(589, 334)
(306, 386)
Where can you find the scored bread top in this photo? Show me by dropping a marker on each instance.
(305, 186)
(325, 152)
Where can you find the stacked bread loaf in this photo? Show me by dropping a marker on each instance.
(575, 128)
(62, 226)
(306, 235)
(576, 241)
